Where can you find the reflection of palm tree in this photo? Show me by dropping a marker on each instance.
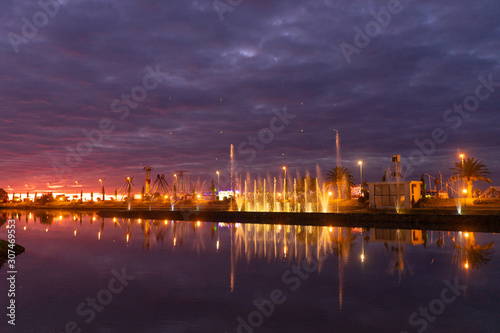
(309, 234)
(471, 170)
(343, 241)
(476, 255)
(340, 176)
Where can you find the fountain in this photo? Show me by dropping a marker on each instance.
(337, 146)
(321, 192)
(232, 171)
(314, 197)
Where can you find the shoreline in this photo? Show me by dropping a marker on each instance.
(484, 219)
(447, 222)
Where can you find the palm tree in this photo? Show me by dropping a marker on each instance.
(340, 176)
(470, 170)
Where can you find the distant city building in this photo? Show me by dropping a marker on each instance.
(225, 195)
(61, 197)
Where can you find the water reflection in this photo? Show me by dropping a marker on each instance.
(469, 254)
(285, 243)
(239, 262)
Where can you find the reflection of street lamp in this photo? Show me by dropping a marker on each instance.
(361, 176)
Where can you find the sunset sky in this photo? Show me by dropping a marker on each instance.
(174, 84)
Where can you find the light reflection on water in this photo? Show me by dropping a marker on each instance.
(202, 277)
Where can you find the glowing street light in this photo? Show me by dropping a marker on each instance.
(218, 181)
(361, 176)
(462, 156)
(102, 188)
(284, 185)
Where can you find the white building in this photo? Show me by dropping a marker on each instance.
(393, 194)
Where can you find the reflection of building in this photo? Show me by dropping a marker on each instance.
(391, 235)
(398, 237)
(403, 194)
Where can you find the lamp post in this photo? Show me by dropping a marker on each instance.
(218, 182)
(361, 177)
(102, 188)
(284, 187)
(463, 171)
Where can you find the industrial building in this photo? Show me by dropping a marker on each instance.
(395, 193)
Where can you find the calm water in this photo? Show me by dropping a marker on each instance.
(208, 277)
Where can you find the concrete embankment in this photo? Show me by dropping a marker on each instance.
(473, 223)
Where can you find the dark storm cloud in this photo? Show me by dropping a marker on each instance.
(225, 78)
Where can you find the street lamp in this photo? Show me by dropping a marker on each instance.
(284, 186)
(361, 177)
(218, 182)
(463, 172)
(102, 188)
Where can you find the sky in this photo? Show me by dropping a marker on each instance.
(95, 90)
